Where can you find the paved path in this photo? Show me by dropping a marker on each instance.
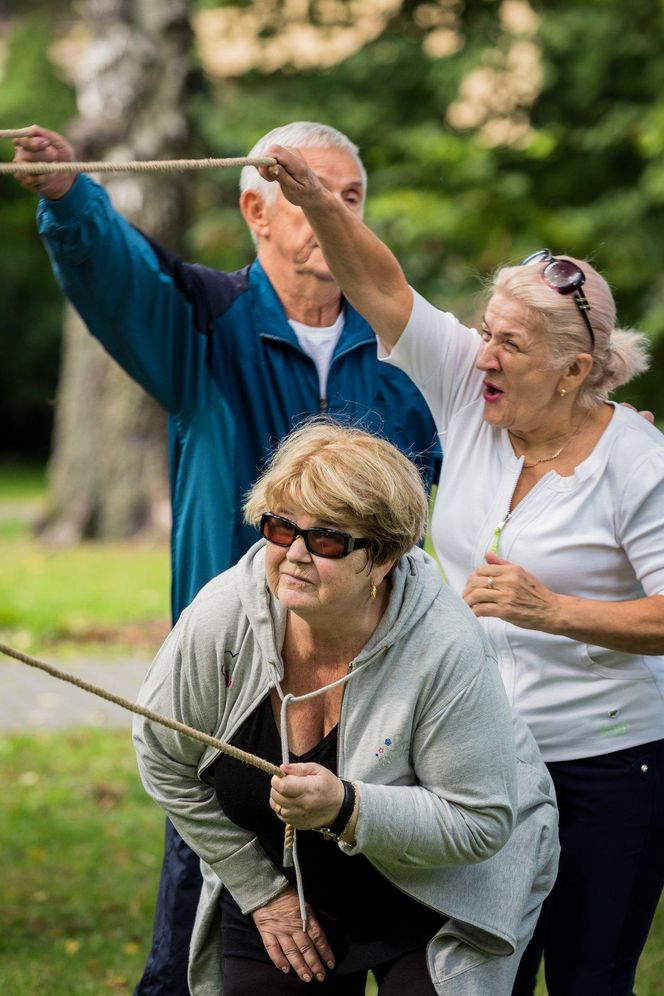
(33, 700)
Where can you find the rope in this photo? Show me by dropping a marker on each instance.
(133, 166)
(15, 132)
(155, 717)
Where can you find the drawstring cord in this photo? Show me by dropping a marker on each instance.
(290, 845)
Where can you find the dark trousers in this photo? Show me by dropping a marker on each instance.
(595, 923)
(409, 974)
(179, 890)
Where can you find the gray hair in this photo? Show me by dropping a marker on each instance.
(619, 354)
(299, 135)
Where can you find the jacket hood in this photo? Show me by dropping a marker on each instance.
(416, 583)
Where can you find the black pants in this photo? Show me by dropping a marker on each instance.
(595, 923)
(243, 977)
(165, 972)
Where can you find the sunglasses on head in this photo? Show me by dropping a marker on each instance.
(566, 277)
(319, 542)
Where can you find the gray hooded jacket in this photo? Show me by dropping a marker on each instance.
(456, 806)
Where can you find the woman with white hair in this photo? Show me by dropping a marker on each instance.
(549, 521)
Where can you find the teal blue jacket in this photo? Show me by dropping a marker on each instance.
(217, 352)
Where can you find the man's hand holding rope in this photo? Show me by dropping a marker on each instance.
(44, 146)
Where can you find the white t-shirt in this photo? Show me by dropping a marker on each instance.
(598, 534)
(319, 344)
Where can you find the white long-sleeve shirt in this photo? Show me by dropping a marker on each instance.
(597, 534)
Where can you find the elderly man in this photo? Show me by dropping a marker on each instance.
(236, 359)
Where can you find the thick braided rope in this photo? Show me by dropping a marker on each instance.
(155, 717)
(135, 166)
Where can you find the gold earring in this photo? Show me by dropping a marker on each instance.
(562, 392)
(373, 591)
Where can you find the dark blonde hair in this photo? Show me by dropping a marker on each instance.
(348, 478)
(618, 355)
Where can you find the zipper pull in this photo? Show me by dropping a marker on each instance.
(496, 534)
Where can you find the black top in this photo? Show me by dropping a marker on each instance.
(366, 919)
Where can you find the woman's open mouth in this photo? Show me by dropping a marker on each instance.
(491, 392)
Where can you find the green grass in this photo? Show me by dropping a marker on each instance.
(21, 497)
(20, 482)
(79, 593)
(81, 846)
(92, 593)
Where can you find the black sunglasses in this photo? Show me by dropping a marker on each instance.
(320, 542)
(566, 277)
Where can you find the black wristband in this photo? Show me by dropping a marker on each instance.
(340, 822)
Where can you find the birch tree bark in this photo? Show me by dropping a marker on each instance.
(108, 471)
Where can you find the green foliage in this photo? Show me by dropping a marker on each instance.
(31, 89)
(587, 180)
(31, 305)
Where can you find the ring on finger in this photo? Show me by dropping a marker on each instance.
(490, 583)
(277, 810)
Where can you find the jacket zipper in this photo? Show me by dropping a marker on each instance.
(495, 542)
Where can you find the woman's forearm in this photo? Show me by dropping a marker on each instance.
(636, 627)
(368, 273)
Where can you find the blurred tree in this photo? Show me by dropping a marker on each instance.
(108, 470)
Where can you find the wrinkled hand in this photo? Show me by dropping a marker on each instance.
(280, 927)
(44, 146)
(297, 180)
(512, 594)
(306, 796)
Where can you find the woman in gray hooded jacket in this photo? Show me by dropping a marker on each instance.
(426, 823)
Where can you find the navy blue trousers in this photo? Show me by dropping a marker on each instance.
(595, 923)
(179, 890)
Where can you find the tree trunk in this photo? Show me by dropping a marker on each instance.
(108, 471)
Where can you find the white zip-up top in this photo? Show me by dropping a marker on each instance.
(598, 534)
